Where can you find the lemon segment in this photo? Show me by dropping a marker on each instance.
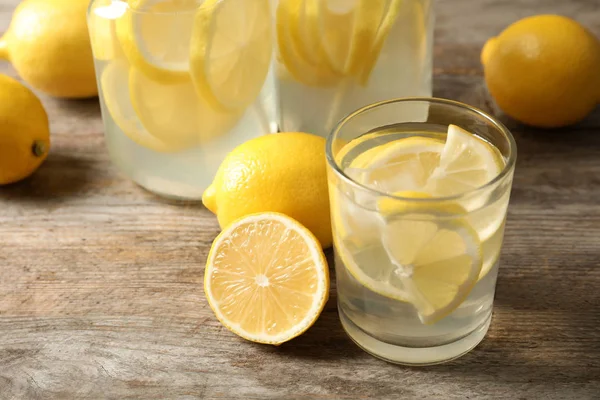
(437, 262)
(266, 278)
(114, 82)
(230, 51)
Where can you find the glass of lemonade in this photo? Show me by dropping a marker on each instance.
(181, 83)
(418, 208)
(335, 56)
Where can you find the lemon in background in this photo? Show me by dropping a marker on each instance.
(544, 70)
(24, 131)
(49, 46)
(284, 173)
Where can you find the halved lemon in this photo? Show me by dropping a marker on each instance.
(266, 278)
(230, 51)
(114, 82)
(155, 37)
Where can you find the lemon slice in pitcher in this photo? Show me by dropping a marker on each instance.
(174, 113)
(302, 56)
(114, 82)
(230, 51)
(155, 36)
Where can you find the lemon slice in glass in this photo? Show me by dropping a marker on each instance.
(230, 51)
(155, 36)
(266, 278)
(114, 82)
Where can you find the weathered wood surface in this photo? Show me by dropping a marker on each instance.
(100, 282)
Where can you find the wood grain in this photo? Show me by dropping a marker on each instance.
(101, 282)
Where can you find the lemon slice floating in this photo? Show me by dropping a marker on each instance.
(174, 113)
(155, 37)
(266, 278)
(230, 51)
(114, 82)
(101, 23)
(466, 163)
(294, 51)
(321, 42)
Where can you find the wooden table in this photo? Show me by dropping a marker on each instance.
(101, 282)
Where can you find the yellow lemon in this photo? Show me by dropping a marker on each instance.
(543, 70)
(48, 44)
(266, 278)
(282, 172)
(24, 131)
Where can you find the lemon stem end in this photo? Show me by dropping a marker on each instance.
(39, 148)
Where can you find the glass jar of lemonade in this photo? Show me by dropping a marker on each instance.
(181, 83)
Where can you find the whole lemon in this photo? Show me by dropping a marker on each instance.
(282, 172)
(49, 46)
(544, 70)
(24, 131)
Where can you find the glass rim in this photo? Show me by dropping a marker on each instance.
(510, 163)
(127, 8)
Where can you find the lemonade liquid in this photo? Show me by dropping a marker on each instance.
(315, 87)
(390, 328)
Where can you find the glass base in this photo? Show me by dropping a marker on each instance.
(413, 356)
(169, 190)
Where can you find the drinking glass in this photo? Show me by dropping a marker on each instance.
(389, 303)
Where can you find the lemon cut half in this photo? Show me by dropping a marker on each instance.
(266, 278)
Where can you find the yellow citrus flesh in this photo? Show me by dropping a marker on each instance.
(155, 37)
(324, 42)
(115, 91)
(388, 22)
(293, 50)
(174, 114)
(266, 278)
(230, 51)
(103, 35)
